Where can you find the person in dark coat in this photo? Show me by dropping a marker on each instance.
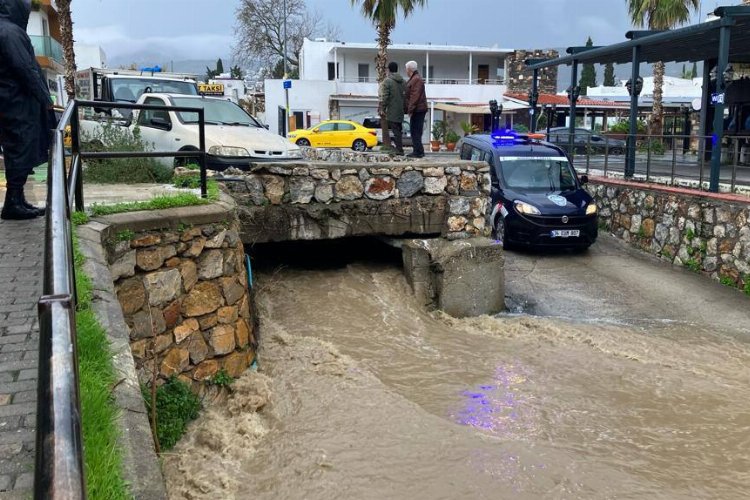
(415, 105)
(24, 104)
(392, 104)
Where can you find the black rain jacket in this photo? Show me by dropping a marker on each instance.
(24, 95)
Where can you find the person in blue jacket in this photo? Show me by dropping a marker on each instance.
(24, 105)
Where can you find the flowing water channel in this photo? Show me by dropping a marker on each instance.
(363, 394)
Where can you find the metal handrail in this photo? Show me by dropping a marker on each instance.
(59, 471)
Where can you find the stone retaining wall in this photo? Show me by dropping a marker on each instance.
(419, 197)
(182, 287)
(700, 232)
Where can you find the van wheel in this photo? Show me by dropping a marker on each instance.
(499, 233)
(303, 143)
(359, 145)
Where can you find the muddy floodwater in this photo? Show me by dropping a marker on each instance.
(363, 394)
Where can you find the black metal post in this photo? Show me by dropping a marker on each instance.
(718, 132)
(202, 147)
(75, 149)
(630, 159)
(572, 99)
(704, 143)
(534, 97)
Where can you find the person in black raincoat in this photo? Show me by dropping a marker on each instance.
(24, 104)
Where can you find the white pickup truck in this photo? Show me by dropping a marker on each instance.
(233, 137)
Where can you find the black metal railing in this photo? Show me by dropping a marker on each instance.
(683, 160)
(59, 472)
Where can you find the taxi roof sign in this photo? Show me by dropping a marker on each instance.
(211, 88)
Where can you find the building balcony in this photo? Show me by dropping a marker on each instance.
(436, 81)
(46, 46)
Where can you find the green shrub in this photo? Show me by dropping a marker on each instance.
(746, 288)
(520, 128)
(623, 127)
(693, 265)
(125, 235)
(79, 218)
(654, 145)
(110, 137)
(222, 378)
(451, 137)
(176, 406)
(727, 281)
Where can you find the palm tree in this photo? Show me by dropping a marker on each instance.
(660, 15)
(383, 14)
(66, 35)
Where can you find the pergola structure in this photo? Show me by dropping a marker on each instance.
(715, 42)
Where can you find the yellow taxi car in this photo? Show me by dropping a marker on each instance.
(335, 134)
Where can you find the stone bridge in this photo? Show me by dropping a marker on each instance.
(326, 200)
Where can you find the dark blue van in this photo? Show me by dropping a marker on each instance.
(537, 197)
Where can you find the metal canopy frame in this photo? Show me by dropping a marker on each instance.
(708, 42)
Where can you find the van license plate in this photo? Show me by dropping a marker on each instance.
(566, 233)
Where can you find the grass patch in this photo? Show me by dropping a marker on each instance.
(79, 218)
(727, 281)
(101, 455)
(125, 235)
(176, 406)
(746, 288)
(693, 265)
(162, 202)
(222, 378)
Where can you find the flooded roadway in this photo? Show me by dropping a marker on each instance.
(617, 377)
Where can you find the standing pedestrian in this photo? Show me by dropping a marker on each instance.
(24, 104)
(415, 105)
(392, 104)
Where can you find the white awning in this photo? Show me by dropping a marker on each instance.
(479, 109)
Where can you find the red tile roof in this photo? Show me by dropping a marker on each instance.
(561, 100)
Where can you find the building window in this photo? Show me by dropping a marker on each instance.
(363, 72)
(333, 69)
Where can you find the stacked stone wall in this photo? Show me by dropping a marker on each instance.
(698, 232)
(184, 296)
(456, 191)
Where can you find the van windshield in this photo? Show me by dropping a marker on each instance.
(538, 173)
(130, 89)
(215, 111)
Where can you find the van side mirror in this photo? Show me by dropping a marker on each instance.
(161, 124)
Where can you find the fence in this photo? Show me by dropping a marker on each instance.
(59, 450)
(683, 160)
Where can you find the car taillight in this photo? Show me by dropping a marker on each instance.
(373, 133)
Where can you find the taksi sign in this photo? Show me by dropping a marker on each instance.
(211, 88)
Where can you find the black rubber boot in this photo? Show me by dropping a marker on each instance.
(13, 209)
(39, 211)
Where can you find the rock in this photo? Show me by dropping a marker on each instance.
(232, 237)
(479, 207)
(452, 187)
(162, 343)
(456, 223)
(468, 184)
(453, 170)
(149, 259)
(242, 333)
(195, 248)
(435, 185)
(204, 298)
(648, 228)
(409, 184)
(458, 205)
(479, 222)
(176, 361)
(172, 314)
(235, 364)
(274, 188)
(132, 295)
(221, 339)
(349, 188)
(197, 348)
(211, 264)
(662, 233)
(319, 173)
(187, 328)
(231, 265)
(254, 188)
(324, 193)
(208, 321)
(233, 291)
(206, 370)
(301, 190)
(162, 286)
(719, 231)
(124, 267)
(227, 315)
(217, 240)
(244, 308)
(189, 273)
(301, 171)
(145, 325)
(433, 172)
(190, 233)
(138, 349)
(173, 262)
(363, 174)
(336, 174)
(380, 188)
(146, 241)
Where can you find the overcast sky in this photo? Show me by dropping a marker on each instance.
(204, 29)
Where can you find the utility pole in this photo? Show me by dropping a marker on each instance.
(286, 76)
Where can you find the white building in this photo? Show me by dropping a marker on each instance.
(339, 80)
(90, 56)
(676, 91)
(44, 31)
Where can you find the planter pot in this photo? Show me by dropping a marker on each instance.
(450, 146)
(434, 146)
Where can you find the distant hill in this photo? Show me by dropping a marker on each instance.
(193, 66)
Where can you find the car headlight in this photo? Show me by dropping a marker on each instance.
(525, 208)
(227, 151)
(591, 209)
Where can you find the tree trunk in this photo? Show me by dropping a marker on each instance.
(657, 115)
(381, 63)
(66, 34)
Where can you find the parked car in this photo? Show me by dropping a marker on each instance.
(335, 134)
(373, 122)
(233, 137)
(537, 198)
(585, 138)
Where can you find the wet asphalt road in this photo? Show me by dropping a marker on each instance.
(614, 282)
